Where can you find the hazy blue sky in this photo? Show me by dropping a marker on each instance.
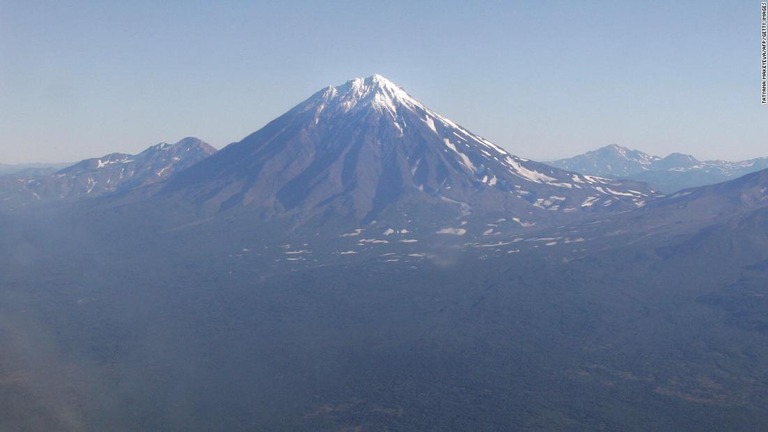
(544, 79)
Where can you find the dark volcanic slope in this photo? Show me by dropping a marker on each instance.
(696, 214)
(109, 326)
(366, 147)
(692, 208)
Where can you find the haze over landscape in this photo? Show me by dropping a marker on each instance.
(354, 257)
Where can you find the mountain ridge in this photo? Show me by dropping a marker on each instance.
(105, 175)
(671, 173)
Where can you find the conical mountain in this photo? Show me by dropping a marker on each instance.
(366, 148)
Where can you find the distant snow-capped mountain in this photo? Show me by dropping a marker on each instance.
(106, 175)
(609, 161)
(366, 148)
(118, 171)
(674, 172)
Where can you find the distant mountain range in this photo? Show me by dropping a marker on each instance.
(669, 174)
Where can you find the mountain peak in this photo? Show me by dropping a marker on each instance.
(186, 144)
(615, 148)
(375, 92)
(614, 161)
(374, 82)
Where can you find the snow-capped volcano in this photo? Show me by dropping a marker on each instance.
(376, 92)
(366, 146)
